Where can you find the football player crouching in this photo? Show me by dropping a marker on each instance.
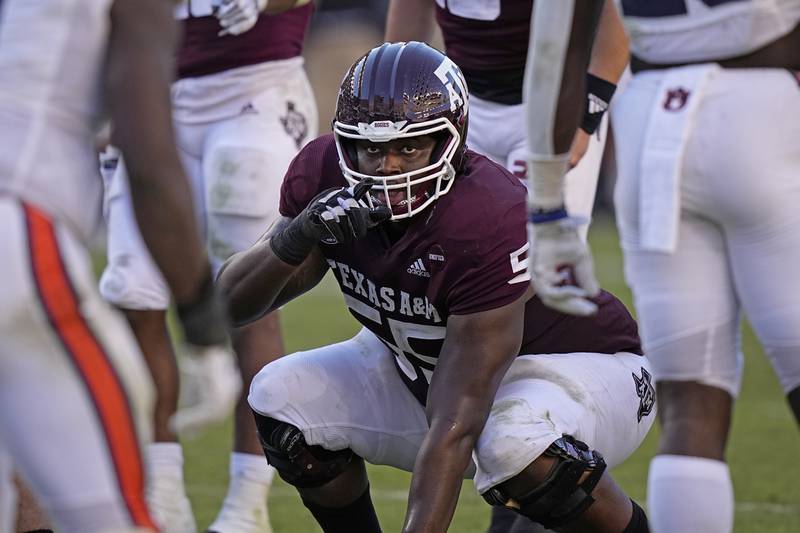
(459, 370)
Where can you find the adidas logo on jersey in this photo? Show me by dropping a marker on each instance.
(418, 269)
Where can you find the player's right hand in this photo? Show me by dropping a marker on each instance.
(342, 215)
(204, 318)
(210, 388)
(238, 16)
(334, 216)
(561, 263)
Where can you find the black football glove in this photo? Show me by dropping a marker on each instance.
(336, 216)
(204, 319)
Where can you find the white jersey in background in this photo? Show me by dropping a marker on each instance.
(242, 106)
(679, 31)
(51, 56)
(706, 196)
(74, 391)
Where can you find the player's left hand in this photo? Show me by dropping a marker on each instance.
(210, 388)
(238, 16)
(561, 263)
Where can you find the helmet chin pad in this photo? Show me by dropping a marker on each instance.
(420, 193)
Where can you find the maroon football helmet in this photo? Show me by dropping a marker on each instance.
(400, 90)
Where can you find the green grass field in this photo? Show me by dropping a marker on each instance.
(762, 450)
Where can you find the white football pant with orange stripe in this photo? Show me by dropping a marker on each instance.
(75, 394)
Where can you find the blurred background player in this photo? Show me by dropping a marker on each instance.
(489, 41)
(706, 201)
(69, 366)
(242, 107)
(560, 49)
(706, 216)
(28, 515)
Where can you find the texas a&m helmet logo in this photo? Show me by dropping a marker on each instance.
(450, 75)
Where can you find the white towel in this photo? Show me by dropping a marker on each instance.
(671, 120)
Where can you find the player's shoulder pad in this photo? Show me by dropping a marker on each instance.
(484, 209)
(314, 169)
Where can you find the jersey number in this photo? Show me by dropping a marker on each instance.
(472, 9)
(664, 8)
(194, 8)
(402, 334)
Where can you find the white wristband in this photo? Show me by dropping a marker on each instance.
(546, 180)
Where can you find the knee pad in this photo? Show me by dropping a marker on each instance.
(561, 497)
(298, 463)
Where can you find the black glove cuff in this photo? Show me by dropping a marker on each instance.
(292, 245)
(203, 319)
(598, 95)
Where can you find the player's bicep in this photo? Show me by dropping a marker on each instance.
(477, 351)
(257, 282)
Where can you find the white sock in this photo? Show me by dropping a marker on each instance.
(251, 478)
(251, 467)
(165, 459)
(690, 495)
(244, 509)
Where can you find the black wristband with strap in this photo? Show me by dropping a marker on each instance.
(293, 244)
(598, 95)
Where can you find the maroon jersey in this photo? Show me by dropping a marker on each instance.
(273, 37)
(464, 255)
(489, 41)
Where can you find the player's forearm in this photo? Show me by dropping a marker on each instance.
(610, 52)
(138, 75)
(436, 482)
(409, 20)
(252, 282)
(555, 72)
(458, 405)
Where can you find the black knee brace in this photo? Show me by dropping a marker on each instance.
(298, 463)
(561, 497)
